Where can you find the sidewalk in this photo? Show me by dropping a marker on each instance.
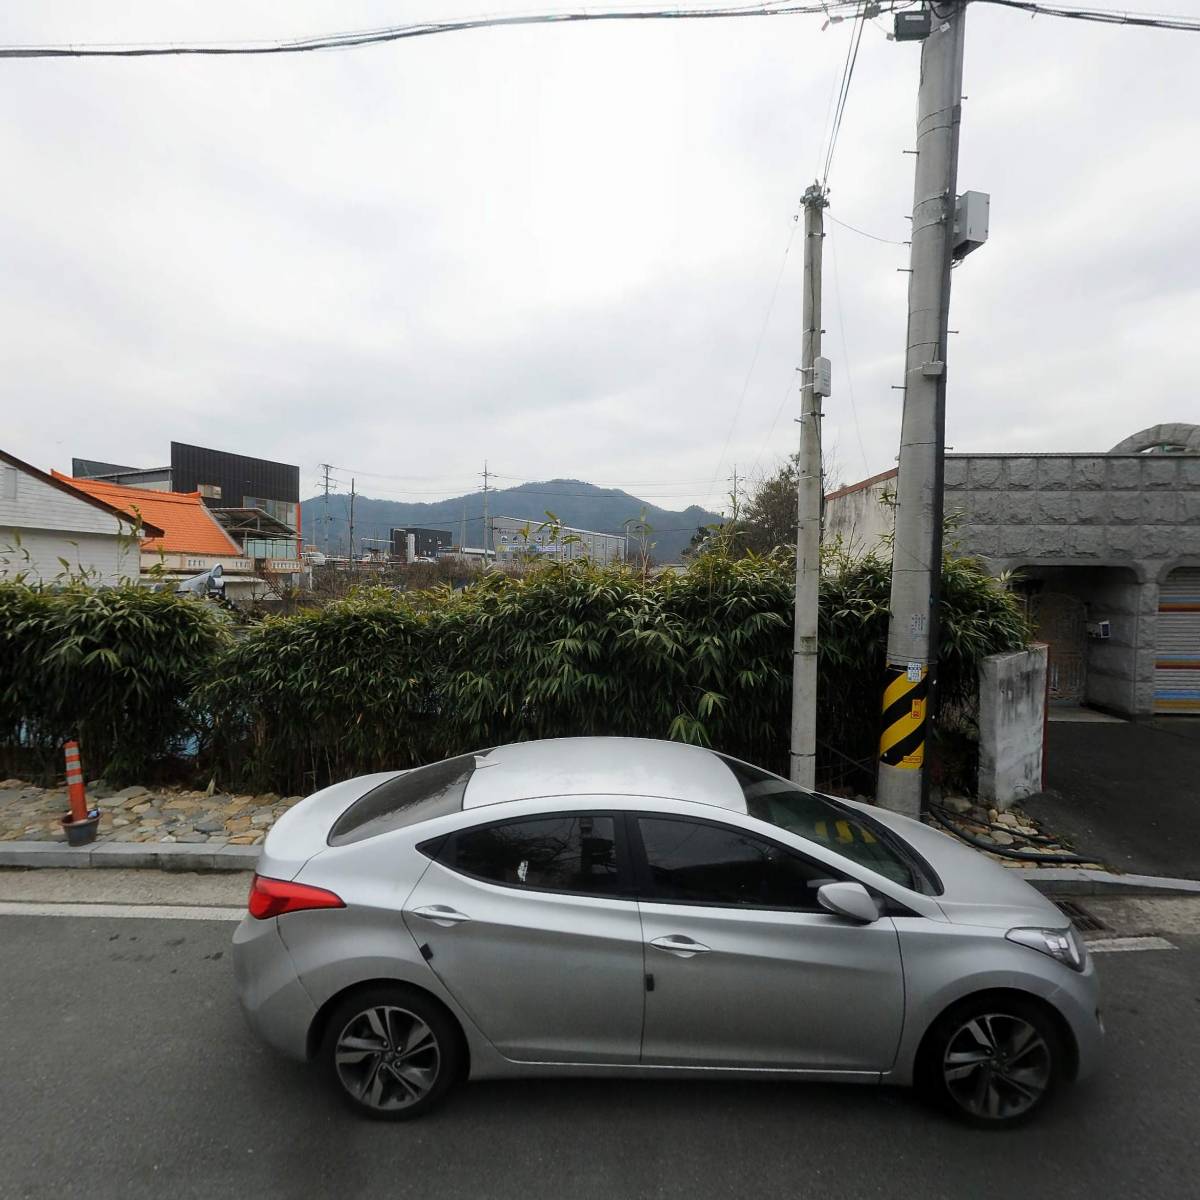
(1127, 793)
(139, 815)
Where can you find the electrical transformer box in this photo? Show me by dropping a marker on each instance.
(971, 211)
(912, 26)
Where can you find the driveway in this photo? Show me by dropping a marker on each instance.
(1130, 793)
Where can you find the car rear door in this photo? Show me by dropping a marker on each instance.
(744, 968)
(532, 925)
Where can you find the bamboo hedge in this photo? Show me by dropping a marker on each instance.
(115, 668)
(382, 680)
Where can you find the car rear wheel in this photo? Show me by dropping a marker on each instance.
(392, 1052)
(992, 1062)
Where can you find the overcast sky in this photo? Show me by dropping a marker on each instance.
(555, 248)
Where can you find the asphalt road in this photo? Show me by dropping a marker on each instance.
(1127, 793)
(125, 1071)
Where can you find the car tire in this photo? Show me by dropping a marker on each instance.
(992, 1062)
(392, 1052)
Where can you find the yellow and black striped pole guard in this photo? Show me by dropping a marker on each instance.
(902, 742)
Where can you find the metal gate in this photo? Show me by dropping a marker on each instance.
(1061, 623)
(1177, 643)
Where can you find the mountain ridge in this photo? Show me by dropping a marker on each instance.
(574, 502)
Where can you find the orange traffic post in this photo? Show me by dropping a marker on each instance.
(75, 789)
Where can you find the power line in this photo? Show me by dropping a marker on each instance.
(1104, 16)
(841, 315)
(528, 477)
(778, 413)
(762, 333)
(396, 33)
(620, 484)
(843, 95)
(864, 233)
(471, 489)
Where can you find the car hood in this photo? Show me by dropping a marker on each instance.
(977, 891)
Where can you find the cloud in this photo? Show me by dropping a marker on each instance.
(555, 248)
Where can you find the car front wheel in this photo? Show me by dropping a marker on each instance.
(391, 1051)
(992, 1062)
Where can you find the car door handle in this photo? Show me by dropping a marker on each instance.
(676, 943)
(441, 914)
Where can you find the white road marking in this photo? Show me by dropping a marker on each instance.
(1112, 945)
(160, 912)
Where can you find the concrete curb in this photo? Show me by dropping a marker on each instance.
(174, 856)
(162, 856)
(1052, 882)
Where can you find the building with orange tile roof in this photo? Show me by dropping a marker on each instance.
(188, 527)
(187, 540)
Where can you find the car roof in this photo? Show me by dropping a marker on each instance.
(608, 766)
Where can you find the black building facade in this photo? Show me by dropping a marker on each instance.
(236, 483)
(415, 542)
(227, 480)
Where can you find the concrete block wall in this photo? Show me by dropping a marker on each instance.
(1140, 510)
(1135, 511)
(1110, 594)
(1012, 713)
(1088, 513)
(861, 518)
(1114, 596)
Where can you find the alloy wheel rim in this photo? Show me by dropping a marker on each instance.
(997, 1066)
(387, 1057)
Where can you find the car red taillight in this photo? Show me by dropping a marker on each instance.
(274, 897)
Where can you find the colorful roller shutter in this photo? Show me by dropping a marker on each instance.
(1177, 644)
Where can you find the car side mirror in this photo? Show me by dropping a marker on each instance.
(849, 900)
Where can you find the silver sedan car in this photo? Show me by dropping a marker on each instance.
(614, 906)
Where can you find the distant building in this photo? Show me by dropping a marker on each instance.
(1106, 551)
(413, 542)
(260, 499)
(512, 539)
(181, 537)
(861, 516)
(50, 529)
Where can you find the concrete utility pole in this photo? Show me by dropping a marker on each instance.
(486, 524)
(803, 758)
(326, 467)
(351, 524)
(917, 547)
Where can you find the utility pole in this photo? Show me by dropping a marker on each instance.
(352, 523)
(802, 760)
(326, 467)
(462, 533)
(735, 496)
(486, 526)
(912, 649)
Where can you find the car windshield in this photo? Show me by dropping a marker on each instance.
(821, 819)
(417, 795)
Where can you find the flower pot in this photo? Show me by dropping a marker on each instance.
(81, 833)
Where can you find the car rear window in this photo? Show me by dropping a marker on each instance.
(843, 829)
(417, 795)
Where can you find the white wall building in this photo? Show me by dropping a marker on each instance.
(514, 538)
(49, 530)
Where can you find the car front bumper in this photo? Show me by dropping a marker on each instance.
(1078, 1002)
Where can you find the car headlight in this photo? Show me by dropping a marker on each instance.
(1062, 944)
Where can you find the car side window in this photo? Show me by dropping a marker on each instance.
(697, 863)
(567, 853)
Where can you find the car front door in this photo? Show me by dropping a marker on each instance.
(532, 926)
(745, 970)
